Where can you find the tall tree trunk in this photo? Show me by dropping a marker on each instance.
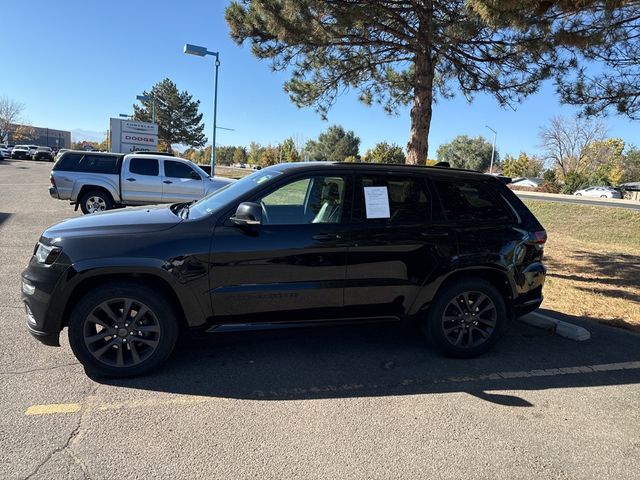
(418, 146)
(424, 65)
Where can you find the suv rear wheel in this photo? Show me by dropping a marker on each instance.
(466, 318)
(95, 201)
(122, 330)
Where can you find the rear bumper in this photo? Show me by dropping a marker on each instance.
(527, 307)
(53, 191)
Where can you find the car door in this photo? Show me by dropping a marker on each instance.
(180, 182)
(292, 266)
(141, 181)
(396, 244)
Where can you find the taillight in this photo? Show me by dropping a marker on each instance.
(53, 182)
(539, 237)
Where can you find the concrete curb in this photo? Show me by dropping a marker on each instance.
(564, 329)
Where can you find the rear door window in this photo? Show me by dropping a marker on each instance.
(471, 201)
(144, 166)
(392, 199)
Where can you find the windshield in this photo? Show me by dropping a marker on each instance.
(230, 192)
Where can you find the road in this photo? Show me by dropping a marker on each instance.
(342, 402)
(598, 202)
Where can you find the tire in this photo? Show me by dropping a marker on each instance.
(94, 201)
(603, 196)
(578, 194)
(461, 332)
(136, 346)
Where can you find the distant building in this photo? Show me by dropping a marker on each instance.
(46, 137)
(527, 182)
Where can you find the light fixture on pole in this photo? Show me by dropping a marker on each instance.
(146, 98)
(201, 52)
(493, 151)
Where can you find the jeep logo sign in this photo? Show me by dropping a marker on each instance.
(128, 136)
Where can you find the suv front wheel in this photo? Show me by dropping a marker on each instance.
(466, 318)
(121, 330)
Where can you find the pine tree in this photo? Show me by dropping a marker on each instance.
(177, 115)
(394, 52)
(334, 145)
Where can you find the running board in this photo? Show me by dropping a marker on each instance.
(245, 327)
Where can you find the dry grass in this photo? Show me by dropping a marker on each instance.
(593, 260)
(232, 172)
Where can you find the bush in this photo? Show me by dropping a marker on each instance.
(574, 181)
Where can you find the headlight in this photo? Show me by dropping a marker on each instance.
(47, 254)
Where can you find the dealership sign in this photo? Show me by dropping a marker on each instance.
(128, 136)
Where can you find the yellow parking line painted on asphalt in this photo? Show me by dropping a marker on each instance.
(53, 408)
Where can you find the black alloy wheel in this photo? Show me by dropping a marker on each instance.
(122, 330)
(466, 318)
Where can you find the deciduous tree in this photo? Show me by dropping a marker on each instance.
(522, 166)
(467, 152)
(24, 133)
(566, 143)
(10, 112)
(385, 153)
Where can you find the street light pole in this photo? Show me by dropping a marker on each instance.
(153, 104)
(493, 151)
(201, 52)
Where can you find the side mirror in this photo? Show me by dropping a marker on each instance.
(248, 214)
(195, 175)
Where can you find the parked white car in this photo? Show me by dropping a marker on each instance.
(5, 152)
(600, 192)
(21, 152)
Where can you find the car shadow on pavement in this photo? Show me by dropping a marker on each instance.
(4, 217)
(384, 360)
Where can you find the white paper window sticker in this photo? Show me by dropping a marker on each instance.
(376, 201)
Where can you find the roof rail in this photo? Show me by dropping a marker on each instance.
(141, 152)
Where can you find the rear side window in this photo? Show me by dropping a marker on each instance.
(177, 169)
(99, 164)
(392, 199)
(68, 162)
(144, 166)
(465, 200)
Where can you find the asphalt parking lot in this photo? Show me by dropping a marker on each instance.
(341, 402)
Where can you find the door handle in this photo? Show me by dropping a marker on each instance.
(327, 236)
(167, 181)
(130, 179)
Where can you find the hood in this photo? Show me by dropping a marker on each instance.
(115, 222)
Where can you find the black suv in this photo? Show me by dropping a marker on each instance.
(455, 251)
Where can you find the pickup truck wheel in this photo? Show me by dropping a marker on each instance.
(95, 201)
(122, 330)
(466, 318)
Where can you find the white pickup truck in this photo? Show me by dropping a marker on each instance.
(98, 181)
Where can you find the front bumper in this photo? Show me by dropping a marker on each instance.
(38, 295)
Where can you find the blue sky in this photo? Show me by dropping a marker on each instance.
(74, 64)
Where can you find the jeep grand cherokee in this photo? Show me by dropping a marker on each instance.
(455, 251)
